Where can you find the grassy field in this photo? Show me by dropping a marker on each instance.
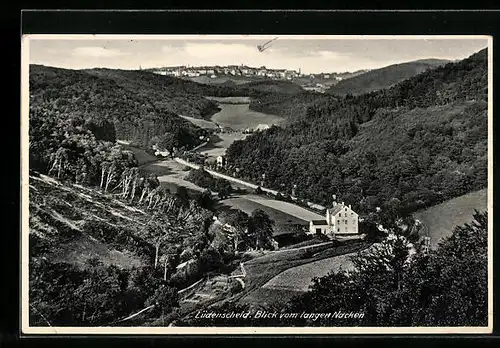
(140, 155)
(221, 142)
(236, 116)
(261, 270)
(299, 278)
(288, 208)
(248, 206)
(314, 240)
(442, 218)
(171, 175)
(240, 117)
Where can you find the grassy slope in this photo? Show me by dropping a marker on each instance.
(388, 76)
(59, 215)
(286, 207)
(299, 278)
(439, 220)
(248, 206)
(260, 270)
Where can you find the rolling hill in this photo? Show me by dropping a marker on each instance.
(180, 96)
(276, 86)
(388, 76)
(110, 107)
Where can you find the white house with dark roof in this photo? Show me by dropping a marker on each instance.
(340, 220)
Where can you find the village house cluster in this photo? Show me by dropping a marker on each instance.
(238, 70)
(230, 70)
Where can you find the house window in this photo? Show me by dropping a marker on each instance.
(318, 230)
(338, 221)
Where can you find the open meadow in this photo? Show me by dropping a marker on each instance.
(260, 270)
(171, 175)
(248, 206)
(288, 208)
(300, 278)
(441, 219)
(220, 143)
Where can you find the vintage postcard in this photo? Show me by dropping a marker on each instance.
(256, 184)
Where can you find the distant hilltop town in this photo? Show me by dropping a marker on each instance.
(244, 71)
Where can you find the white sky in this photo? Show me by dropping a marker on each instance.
(310, 54)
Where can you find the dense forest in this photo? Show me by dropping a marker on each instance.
(110, 112)
(180, 96)
(415, 144)
(385, 77)
(286, 104)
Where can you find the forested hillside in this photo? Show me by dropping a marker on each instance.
(287, 105)
(176, 95)
(272, 86)
(386, 77)
(62, 98)
(106, 241)
(413, 145)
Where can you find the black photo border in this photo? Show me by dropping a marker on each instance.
(182, 21)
